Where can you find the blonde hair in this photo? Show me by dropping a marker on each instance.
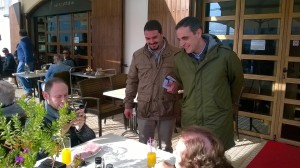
(203, 149)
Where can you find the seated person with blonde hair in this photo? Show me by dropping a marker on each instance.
(198, 148)
(58, 66)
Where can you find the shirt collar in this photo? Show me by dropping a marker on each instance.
(157, 53)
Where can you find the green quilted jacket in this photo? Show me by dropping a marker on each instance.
(211, 86)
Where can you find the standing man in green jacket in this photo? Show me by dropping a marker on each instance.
(211, 76)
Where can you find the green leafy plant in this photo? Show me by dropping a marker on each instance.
(19, 144)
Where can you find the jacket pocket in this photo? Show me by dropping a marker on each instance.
(167, 106)
(222, 102)
(143, 105)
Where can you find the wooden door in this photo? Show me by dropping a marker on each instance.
(265, 35)
(288, 130)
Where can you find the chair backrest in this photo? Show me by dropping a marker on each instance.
(118, 81)
(65, 76)
(94, 88)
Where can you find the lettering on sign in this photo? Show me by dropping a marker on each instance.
(63, 4)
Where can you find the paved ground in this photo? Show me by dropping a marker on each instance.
(240, 155)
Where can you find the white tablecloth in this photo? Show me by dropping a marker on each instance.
(124, 153)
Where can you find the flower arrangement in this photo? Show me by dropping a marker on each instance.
(20, 144)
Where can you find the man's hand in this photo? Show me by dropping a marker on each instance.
(128, 113)
(79, 121)
(172, 88)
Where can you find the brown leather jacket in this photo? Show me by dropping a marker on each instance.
(146, 79)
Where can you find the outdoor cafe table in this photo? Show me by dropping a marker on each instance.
(90, 75)
(30, 75)
(120, 94)
(123, 153)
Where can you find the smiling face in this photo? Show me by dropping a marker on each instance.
(57, 96)
(154, 39)
(189, 41)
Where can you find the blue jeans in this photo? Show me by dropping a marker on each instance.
(26, 83)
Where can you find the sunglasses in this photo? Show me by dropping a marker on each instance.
(65, 53)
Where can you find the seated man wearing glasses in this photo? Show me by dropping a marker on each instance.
(67, 58)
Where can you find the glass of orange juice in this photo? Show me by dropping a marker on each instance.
(151, 156)
(66, 151)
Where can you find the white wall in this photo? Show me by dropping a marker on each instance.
(136, 16)
(4, 26)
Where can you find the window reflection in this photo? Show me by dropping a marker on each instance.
(296, 6)
(290, 132)
(220, 9)
(260, 47)
(64, 17)
(65, 38)
(256, 106)
(294, 48)
(228, 43)
(51, 26)
(258, 87)
(254, 125)
(220, 27)
(52, 38)
(261, 26)
(258, 67)
(295, 26)
(291, 91)
(64, 25)
(51, 18)
(256, 6)
(293, 70)
(80, 25)
(52, 49)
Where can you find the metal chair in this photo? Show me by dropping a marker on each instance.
(91, 91)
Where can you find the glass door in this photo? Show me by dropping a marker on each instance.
(289, 106)
(255, 30)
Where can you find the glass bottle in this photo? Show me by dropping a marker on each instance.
(99, 162)
(98, 73)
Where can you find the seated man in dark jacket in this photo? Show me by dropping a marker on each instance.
(9, 64)
(56, 95)
(7, 100)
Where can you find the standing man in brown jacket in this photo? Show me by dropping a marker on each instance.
(149, 67)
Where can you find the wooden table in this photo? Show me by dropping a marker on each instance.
(123, 153)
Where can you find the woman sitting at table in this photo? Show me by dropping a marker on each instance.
(198, 148)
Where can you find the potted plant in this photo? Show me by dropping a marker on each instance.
(19, 144)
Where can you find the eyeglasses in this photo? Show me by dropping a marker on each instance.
(65, 53)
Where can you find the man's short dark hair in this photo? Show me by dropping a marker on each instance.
(153, 25)
(49, 83)
(192, 22)
(4, 49)
(23, 32)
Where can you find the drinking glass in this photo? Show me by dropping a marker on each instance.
(151, 156)
(66, 152)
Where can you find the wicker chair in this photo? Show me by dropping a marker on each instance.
(91, 91)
